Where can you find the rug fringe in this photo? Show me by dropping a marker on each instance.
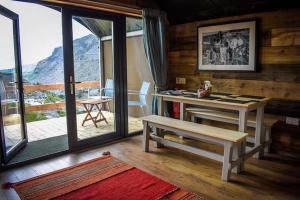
(106, 153)
(7, 185)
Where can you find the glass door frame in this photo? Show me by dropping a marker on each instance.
(119, 71)
(6, 156)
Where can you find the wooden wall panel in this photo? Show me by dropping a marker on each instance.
(267, 22)
(286, 36)
(278, 57)
(278, 66)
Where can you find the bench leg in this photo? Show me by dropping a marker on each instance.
(226, 161)
(193, 118)
(146, 136)
(242, 154)
(268, 139)
(161, 112)
(159, 133)
(239, 151)
(187, 116)
(182, 114)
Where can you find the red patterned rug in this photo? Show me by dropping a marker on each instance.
(105, 178)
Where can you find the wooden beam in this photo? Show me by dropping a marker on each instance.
(120, 9)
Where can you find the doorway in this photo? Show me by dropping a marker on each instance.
(96, 114)
(11, 87)
(84, 78)
(42, 78)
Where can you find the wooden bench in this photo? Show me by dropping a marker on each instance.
(233, 141)
(233, 118)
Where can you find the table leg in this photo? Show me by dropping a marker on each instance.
(182, 114)
(259, 134)
(182, 111)
(146, 136)
(100, 113)
(107, 106)
(243, 114)
(160, 106)
(157, 131)
(86, 116)
(89, 110)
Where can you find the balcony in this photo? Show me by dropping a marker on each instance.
(44, 128)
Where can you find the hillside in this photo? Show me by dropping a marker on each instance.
(86, 60)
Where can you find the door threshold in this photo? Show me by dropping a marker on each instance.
(57, 154)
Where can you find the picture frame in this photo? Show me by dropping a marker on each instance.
(228, 47)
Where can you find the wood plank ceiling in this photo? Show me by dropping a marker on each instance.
(182, 11)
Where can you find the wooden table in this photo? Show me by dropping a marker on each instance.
(89, 104)
(248, 104)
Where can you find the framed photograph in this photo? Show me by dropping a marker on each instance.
(227, 47)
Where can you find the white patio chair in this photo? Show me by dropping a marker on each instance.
(143, 93)
(105, 93)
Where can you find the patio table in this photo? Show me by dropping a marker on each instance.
(89, 104)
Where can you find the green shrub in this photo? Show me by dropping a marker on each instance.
(61, 113)
(52, 98)
(35, 116)
(12, 105)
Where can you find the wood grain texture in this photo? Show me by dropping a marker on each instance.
(129, 8)
(267, 22)
(194, 129)
(230, 117)
(279, 55)
(272, 178)
(286, 36)
(286, 140)
(278, 64)
(278, 75)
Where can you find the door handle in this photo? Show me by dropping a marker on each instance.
(16, 82)
(72, 84)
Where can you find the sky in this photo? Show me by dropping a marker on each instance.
(40, 33)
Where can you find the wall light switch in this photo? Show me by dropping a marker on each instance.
(180, 81)
(292, 121)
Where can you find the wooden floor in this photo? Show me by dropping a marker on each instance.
(49, 128)
(271, 178)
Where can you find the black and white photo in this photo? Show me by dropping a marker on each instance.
(227, 47)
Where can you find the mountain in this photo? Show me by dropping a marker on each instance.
(86, 61)
(28, 68)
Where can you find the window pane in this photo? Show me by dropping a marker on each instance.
(139, 78)
(94, 82)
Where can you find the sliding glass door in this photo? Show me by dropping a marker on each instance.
(88, 78)
(94, 82)
(13, 132)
